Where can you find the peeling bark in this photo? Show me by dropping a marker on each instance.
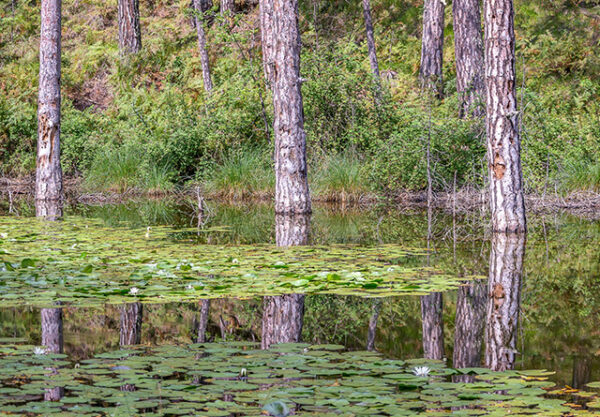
(469, 325)
(432, 47)
(502, 124)
(200, 8)
(130, 35)
(49, 185)
(468, 51)
(131, 324)
(504, 291)
(227, 6)
(291, 184)
(433, 325)
(283, 315)
(52, 339)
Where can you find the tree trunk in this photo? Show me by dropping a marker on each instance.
(468, 50)
(48, 185)
(372, 332)
(283, 315)
(130, 35)
(370, 38)
(433, 325)
(203, 321)
(131, 324)
(52, 339)
(432, 48)
(227, 6)
(291, 185)
(469, 325)
(503, 141)
(199, 7)
(267, 41)
(504, 289)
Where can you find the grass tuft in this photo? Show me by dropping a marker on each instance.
(581, 176)
(340, 179)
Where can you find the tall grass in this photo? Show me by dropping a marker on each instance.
(243, 174)
(581, 176)
(123, 169)
(339, 178)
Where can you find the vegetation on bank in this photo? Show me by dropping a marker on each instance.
(145, 123)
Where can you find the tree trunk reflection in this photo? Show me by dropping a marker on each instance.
(283, 315)
(52, 339)
(433, 325)
(504, 289)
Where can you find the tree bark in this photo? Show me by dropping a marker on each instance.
(131, 324)
(200, 8)
(468, 51)
(130, 35)
(372, 331)
(370, 38)
(291, 185)
(432, 47)
(469, 325)
(49, 185)
(283, 315)
(227, 6)
(52, 339)
(433, 325)
(203, 321)
(503, 141)
(504, 289)
(267, 41)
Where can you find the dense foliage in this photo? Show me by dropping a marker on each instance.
(146, 123)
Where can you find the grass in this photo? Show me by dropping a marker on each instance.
(242, 175)
(581, 176)
(121, 170)
(340, 179)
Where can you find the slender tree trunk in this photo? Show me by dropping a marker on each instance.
(203, 321)
(468, 50)
(52, 339)
(504, 288)
(204, 61)
(370, 38)
(227, 6)
(503, 141)
(283, 315)
(291, 185)
(131, 324)
(432, 48)
(469, 325)
(372, 332)
(130, 35)
(49, 185)
(267, 32)
(433, 325)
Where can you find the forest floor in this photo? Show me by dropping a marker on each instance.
(466, 199)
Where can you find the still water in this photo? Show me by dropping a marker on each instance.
(525, 304)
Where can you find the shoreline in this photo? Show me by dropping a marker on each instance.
(468, 199)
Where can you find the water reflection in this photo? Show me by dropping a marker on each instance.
(131, 324)
(504, 288)
(52, 340)
(433, 326)
(283, 315)
(202, 321)
(469, 325)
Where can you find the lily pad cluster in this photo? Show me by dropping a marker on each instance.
(83, 262)
(240, 379)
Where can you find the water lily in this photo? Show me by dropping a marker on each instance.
(421, 371)
(39, 350)
(189, 287)
(134, 290)
(3, 235)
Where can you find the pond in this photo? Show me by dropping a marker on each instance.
(147, 308)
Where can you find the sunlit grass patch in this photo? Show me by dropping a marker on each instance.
(339, 178)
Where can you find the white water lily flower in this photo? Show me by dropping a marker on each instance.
(3, 235)
(421, 371)
(390, 269)
(39, 350)
(189, 287)
(235, 261)
(134, 290)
